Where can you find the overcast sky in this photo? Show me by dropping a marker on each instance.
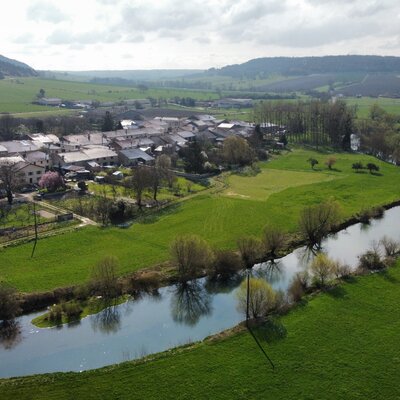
(144, 34)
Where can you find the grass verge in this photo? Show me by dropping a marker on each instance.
(342, 344)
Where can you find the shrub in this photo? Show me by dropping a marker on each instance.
(191, 253)
(250, 250)
(330, 162)
(365, 215)
(313, 162)
(357, 166)
(322, 269)
(55, 313)
(371, 260)
(390, 246)
(340, 270)
(72, 310)
(274, 240)
(262, 298)
(226, 263)
(372, 167)
(298, 286)
(378, 212)
(9, 302)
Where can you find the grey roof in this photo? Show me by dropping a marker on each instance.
(186, 134)
(19, 146)
(136, 154)
(36, 156)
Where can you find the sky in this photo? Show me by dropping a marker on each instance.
(200, 34)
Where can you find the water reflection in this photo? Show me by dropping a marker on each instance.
(189, 302)
(221, 284)
(10, 334)
(272, 271)
(108, 320)
(305, 255)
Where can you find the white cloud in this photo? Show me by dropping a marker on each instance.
(76, 34)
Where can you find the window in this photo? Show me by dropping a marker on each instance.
(38, 172)
(30, 173)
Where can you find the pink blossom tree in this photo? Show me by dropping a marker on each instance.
(51, 181)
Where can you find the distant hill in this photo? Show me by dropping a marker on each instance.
(297, 66)
(9, 67)
(121, 76)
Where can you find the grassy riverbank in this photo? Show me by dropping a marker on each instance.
(340, 345)
(277, 195)
(87, 307)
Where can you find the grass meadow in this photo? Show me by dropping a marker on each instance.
(217, 217)
(342, 344)
(16, 95)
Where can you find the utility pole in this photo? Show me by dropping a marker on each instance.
(36, 230)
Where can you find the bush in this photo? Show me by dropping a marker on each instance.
(365, 215)
(262, 298)
(250, 250)
(313, 162)
(371, 260)
(226, 263)
(55, 313)
(357, 166)
(390, 246)
(330, 162)
(340, 270)
(298, 286)
(322, 269)
(9, 302)
(191, 254)
(274, 240)
(372, 167)
(72, 310)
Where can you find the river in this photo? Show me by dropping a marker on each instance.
(175, 315)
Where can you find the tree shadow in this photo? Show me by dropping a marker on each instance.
(271, 271)
(388, 276)
(376, 174)
(190, 301)
(10, 334)
(337, 292)
(272, 330)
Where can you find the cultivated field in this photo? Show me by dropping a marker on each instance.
(220, 219)
(342, 344)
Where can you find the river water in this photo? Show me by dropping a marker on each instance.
(175, 315)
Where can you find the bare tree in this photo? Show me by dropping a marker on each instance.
(316, 221)
(191, 253)
(104, 277)
(261, 297)
(140, 181)
(250, 250)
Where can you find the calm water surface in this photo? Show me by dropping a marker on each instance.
(176, 315)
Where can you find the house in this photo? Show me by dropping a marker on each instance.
(26, 172)
(233, 103)
(131, 157)
(100, 154)
(38, 158)
(53, 102)
(15, 147)
(189, 136)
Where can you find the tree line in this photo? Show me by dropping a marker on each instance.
(314, 122)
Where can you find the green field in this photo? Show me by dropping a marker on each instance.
(220, 219)
(364, 104)
(16, 95)
(340, 345)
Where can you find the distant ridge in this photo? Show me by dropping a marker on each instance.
(9, 67)
(295, 66)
